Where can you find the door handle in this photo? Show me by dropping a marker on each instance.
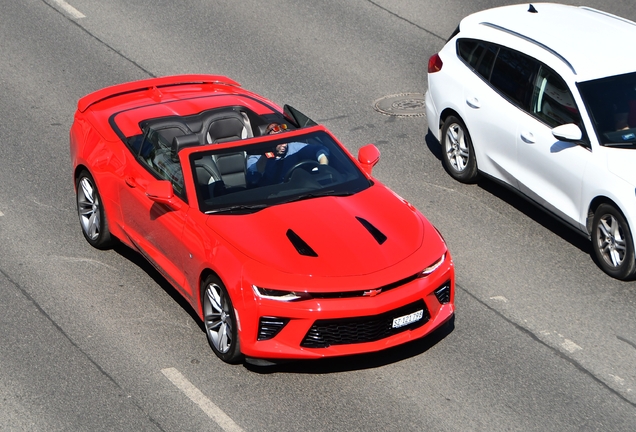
(131, 182)
(473, 102)
(527, 137)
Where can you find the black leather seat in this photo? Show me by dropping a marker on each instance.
(226, 126)
(232, 168)
(180, 142)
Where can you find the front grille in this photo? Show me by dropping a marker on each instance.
(443, 293)
(361, 293)
(268, 327)
(325, 333)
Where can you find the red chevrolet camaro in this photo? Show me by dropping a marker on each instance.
(282, 242)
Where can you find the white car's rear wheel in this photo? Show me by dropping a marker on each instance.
(458, 155)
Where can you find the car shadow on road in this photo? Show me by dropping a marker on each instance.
(537, 214)
(359, 361)
(520, 203)
(433, 145)
(137, 259)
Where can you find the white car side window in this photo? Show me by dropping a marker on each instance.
(552, 101)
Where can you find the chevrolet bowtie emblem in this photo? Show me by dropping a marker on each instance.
(372, 293)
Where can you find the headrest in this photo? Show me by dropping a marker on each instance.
(225, 129)
(180, 142)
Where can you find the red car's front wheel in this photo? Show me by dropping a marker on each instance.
(220, 321)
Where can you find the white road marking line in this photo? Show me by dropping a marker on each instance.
(570, 346)
(499, 298)
(86, 260)
(74, 13)
(1, 214)
(618, 379)
(196, 396)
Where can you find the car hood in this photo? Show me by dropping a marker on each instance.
(327, 236)
(621, 162)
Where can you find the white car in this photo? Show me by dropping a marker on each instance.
(542, 98)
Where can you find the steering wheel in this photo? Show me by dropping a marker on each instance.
(311, 164)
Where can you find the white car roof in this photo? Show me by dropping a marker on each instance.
(596, 44)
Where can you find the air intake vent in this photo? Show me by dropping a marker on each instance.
(443, 293)
(300, 245)
(269, 327)
(325, 333)
(376, 233)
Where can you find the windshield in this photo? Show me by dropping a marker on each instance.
(611, 103)
(249, 178)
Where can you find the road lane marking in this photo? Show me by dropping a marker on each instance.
(570, 346)
(74, 13)
(196, 396)
(618, 379)
(499, 298)
(82, 260)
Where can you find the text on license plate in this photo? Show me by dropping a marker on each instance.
(408, 319)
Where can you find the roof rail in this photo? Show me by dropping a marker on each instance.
(130, 87)
(533, 41)
(607, 14)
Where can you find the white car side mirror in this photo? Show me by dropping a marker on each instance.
(567, 132)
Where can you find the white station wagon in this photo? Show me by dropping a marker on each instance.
(542, 98)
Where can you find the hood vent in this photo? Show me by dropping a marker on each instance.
(300, 245)
(376, 233)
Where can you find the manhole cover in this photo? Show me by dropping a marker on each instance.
(403, 105)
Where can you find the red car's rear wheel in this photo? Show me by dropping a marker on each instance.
(91, 212)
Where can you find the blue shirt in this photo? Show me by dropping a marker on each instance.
(276, 167)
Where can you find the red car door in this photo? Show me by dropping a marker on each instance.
(156, 228)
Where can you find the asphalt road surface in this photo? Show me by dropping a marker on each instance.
(93, 340)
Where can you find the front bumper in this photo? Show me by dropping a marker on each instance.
(330, 327)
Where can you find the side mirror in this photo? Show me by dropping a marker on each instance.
(368, 156)
(161, 192)
(567, 132)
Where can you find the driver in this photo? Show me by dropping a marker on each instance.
(271, 167)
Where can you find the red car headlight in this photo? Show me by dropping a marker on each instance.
(430, 269)
(280, 295)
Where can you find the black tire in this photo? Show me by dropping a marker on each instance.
(458, 155)
(90, 210)
(220, 321)
(613, 243)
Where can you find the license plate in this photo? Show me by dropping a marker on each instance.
(408, 319)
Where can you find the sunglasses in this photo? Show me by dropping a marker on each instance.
(276, 128)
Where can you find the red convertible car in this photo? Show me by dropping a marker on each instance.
(282, 242)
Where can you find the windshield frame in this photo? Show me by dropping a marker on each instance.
(340, 177)
(611, 106)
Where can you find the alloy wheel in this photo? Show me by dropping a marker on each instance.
(218, 319)
(611, 240)
(88, 209)
(456, 147)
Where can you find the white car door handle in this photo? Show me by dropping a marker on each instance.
(528, 137)
(473, 102)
